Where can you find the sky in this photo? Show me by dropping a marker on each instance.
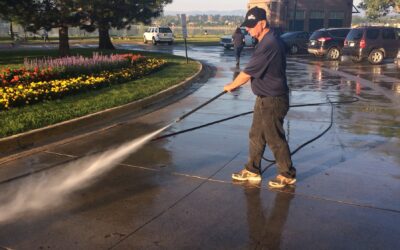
(204, 5)
(216, 5)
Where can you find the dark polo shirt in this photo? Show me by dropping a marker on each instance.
(267, 67)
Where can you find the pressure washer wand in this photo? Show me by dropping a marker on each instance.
(191, 112)
(199, 107)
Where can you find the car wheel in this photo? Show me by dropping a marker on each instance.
(376, 56)
(356, 59)
(333, 54)
(227, 47)
(294, 49)
(144, 40)
(154, 41)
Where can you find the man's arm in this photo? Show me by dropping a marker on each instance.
(241, 79)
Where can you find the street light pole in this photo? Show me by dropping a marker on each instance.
(294, 14)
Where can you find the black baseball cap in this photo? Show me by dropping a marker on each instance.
(253, 16)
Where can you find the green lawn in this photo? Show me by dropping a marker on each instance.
(17, 120)
(200, 40)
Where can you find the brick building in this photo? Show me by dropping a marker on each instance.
(310, 15)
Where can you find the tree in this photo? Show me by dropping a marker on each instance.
(60, 14)
(17, 12)
(377, 8)
(107, 14)
(34, 15)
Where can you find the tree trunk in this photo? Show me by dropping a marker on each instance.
(104, 39)
(63, 41)
(11, 31)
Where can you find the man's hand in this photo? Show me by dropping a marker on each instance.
(241, 79)
(229, 87)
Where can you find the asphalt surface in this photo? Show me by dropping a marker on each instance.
(177, 193)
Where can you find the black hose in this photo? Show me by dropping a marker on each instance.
(272, 162)
(354, 99)
(202, 126)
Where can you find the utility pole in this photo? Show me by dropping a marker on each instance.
(184, 34)
(294, 14)
(278, 19)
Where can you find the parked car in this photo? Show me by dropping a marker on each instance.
(296, 41)
(226, 41)
(328, 42)
(278, 31)
(158, 35)
(373, 43)
(397, 59)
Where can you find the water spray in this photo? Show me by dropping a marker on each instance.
(43, 192)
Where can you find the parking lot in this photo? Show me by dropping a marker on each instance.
(177, 193)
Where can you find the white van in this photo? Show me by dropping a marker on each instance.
(158, 35)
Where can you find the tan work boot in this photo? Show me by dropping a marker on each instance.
(245, 175)
(281, 181)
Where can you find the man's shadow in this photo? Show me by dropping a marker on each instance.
(236, 72)
(266, 226)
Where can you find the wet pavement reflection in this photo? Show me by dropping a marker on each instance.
(266, 226)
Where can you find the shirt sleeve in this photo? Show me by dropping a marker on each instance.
(260, 62)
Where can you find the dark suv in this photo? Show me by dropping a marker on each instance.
(295, 41)
(328, 42)
(374, 43)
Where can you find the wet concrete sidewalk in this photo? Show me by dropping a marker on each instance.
(177, 193)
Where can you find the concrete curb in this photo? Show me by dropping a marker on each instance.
(37, 140)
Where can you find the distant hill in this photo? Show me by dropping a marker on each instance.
(211, 12)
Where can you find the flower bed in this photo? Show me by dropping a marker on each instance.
(37, 87)
(11, 77)
(77, 65)
(66, 67)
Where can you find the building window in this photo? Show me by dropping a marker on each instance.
(336, 19)
(299, 23)
(300, 14)
(336, 15)
(316, 20)
(317, 15)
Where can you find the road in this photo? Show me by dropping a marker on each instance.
(177, 193)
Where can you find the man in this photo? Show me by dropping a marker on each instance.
(238, 44)
(267, 72)
(45, 36)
